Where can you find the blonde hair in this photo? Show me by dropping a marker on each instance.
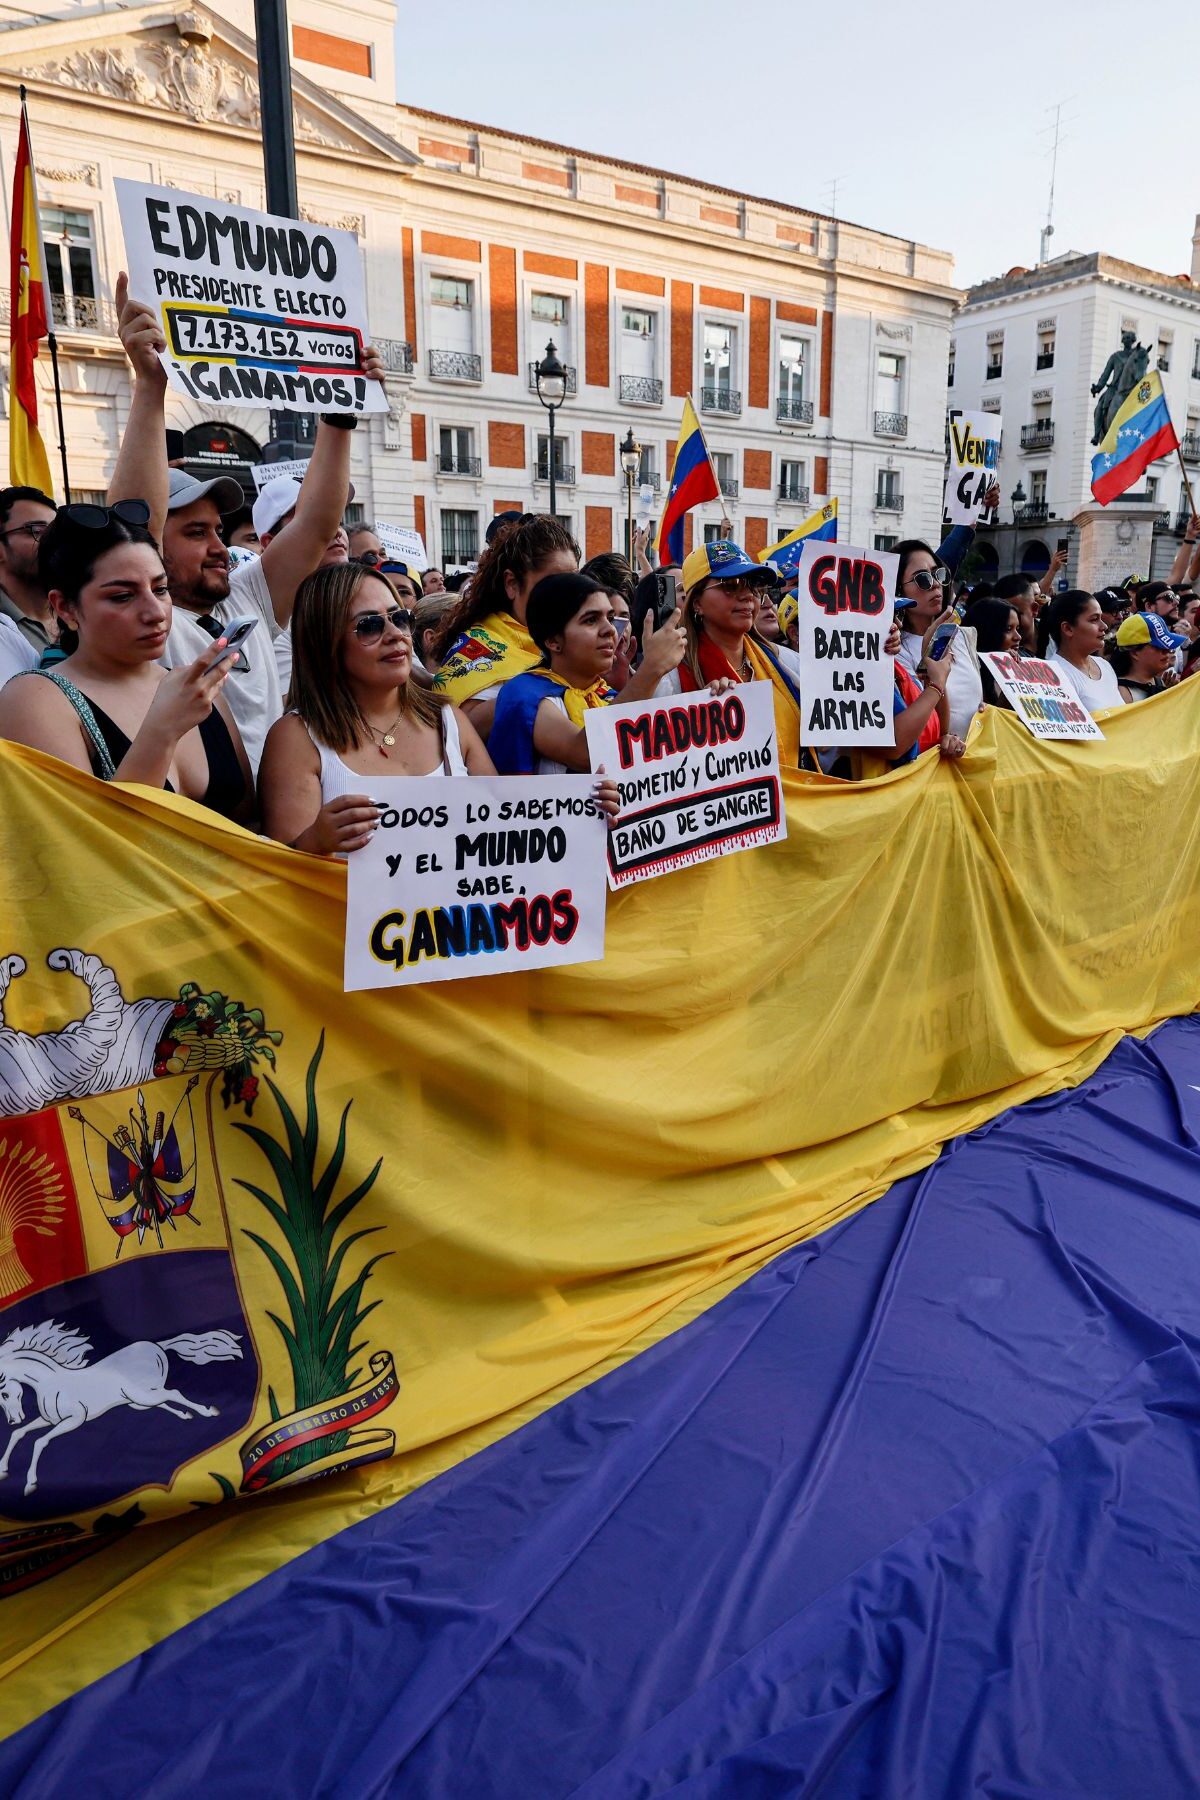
(320, 693)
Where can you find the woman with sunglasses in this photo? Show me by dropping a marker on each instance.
(922, 583)
(108, 706)
(356, 712)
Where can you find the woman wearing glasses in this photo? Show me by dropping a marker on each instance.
(356, 713)
(921, 588)
(109, 707)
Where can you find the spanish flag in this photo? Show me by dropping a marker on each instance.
(1141, 432)
(692, 483)
(27, 460)
(821, 527)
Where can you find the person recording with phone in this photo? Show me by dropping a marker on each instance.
(930, 628)
(109, 707)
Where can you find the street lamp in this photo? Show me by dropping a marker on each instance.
(551, 391)
(631, 457)
(1018, 500)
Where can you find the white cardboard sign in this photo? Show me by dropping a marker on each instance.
(402, 545)
(256, 310)
(698, 774)
(1040, 696)
(264, 472)
(475, 876)
(974, 462)
(846, 600)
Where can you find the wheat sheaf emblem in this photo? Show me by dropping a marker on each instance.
(31, 1199)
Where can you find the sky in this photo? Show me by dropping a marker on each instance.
(936, 120)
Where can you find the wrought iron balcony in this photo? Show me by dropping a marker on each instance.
(1162, 521)
(455, 365)
(1038, 436)
(1164, 365)
(728, 486)
(651, 481)
(792, 490)
(1045, 359)
(890, 424)
(1034, 512)
(82, 312)
(886, 501)
(793, 412)
(567, 371)
(1183, 519)
(1190, 445)
(640, 390)
(397, 355)
(993, 372)
(460, 465)
(720, 400)
(564, 473)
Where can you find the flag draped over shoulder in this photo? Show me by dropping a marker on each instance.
(820, 527)
(1141, 432)
(692, 483)
(27, 460)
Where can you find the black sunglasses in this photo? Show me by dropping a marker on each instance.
(928, 579)
(95, 518)
(370, 559)
(370, 626)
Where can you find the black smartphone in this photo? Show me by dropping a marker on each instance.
(1062, 544)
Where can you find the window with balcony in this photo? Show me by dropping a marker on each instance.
(1045, 350)
(1196, 359)
(887, 490)
(648, 475)
(890, 417)
(550, 319)
(995, 361)
(792, 403)
(456, 451)
(949, 373)
(723, 468)
(563, 470)
(1165, 345)
(1190, 442)
(460, 535)
(1152, 487)
(68, 245)
(452, 352)
(793, 481)
(639, 381)
(1037, 490)
(718, 392)
(1039, 433)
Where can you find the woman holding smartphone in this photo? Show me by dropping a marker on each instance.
(356, 712)
(922, 584)
(108, 706)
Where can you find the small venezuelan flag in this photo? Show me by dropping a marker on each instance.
(1141, 432)
(692, 483)
(821, 527)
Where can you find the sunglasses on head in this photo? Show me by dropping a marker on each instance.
(370, 626)
(95, 518)
(928, 579)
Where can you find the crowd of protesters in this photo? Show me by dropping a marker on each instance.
(267, 660)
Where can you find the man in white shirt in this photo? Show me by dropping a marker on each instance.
(185, 515)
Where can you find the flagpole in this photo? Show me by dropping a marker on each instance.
(51, 338)
(725, 521)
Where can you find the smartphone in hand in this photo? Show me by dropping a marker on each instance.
(941, 641)
(235, 635)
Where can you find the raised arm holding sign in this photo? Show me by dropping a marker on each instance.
(974, 440)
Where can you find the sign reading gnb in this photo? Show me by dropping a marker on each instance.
(846, 599)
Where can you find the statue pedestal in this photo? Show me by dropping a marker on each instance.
(1115, 541)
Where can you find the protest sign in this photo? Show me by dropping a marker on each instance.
(1040, 697)
(974, 459)
(402, 545)
(699, 777)
(297, 468)
(846, 601)
(256, 310)
(481, 877)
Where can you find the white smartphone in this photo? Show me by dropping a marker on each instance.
(235, 635)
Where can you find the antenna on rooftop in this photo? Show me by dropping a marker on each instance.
(833, 196)
(1048, 227)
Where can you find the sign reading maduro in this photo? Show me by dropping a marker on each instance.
(480, 878)
(256, 310)
(698, 774)
(1040, 697)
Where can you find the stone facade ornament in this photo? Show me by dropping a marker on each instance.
(902, 333)
(82, 174)
(336, 221)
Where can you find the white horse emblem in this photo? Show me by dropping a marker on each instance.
(52, 1360)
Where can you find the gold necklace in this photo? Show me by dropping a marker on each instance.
(387, 737)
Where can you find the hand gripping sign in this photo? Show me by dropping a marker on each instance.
(477, 877)
(846, 599)
(256, 310)
(974, 440)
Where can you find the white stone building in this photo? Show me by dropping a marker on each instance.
(816, 349)
(1030, 344)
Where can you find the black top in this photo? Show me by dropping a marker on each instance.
(226, 784)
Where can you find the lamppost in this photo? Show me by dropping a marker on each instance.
(551, 391)
(631, 457)
(1018, 500)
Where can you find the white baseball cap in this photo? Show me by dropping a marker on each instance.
(275, 500)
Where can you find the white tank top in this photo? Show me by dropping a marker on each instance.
(338, 778)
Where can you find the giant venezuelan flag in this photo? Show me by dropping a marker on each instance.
(820, 527)
(692, 483)
(1141, 432)
(654, 1457)
(28, 465)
